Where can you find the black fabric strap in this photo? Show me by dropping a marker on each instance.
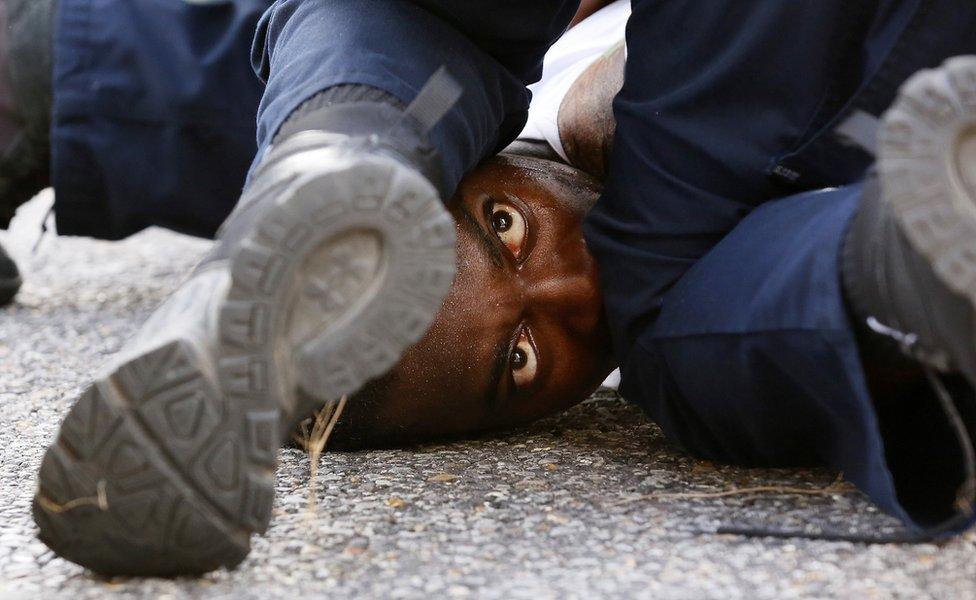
(306, 116)
(378, 120)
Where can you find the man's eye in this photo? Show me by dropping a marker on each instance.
(509, 225)
(524, 362)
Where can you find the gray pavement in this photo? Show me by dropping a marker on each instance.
(575, 506)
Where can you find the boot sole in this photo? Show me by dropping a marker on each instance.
(927, 169)
(166, 464)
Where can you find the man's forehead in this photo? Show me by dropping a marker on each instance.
(542, 178)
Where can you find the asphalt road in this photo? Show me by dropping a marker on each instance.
(578, 506)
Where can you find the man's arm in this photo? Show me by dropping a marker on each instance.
(587, 8)
(586, 123)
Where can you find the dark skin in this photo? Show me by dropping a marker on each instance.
(587, 8)
(521, 334)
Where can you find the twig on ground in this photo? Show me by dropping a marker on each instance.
(836, 487)
(315, 441)
(100, 500)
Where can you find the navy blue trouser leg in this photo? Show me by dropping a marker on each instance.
(721, 286)
(174, 79)
(754, 361)
(492, 48)
(153, 117)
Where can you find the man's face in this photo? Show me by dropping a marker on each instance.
(521, 333)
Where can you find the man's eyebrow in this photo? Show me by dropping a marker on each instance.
(500, 354)
(499, 366)
(487, 244)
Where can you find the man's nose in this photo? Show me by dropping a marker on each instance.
(569, 295)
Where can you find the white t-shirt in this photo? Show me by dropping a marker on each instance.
(566, 60)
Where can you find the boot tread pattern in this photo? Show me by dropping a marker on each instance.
(927, 173)
(130, 497)
(165, 466)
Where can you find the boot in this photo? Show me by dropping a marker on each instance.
(336, 260)
(25, 157)
(9, 278)
(909, 258)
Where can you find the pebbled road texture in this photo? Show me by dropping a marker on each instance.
(581, 505)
